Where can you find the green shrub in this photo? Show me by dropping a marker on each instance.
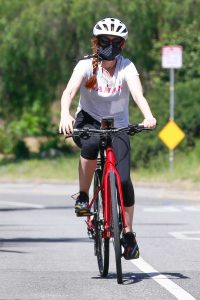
(187, 112)
(20, 150)
(34, 121)
(6, 143)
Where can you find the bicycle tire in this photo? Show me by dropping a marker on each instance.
(116, 227)
(101, 245)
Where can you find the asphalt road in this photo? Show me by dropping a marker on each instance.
(45, 252)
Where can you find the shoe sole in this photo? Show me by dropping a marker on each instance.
(137, 255)
(82, 213)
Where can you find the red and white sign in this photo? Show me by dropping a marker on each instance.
(172, 57)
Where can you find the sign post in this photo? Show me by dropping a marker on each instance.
(171, 116)
(171, 59)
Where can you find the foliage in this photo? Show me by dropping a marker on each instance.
(6, 143)
(187, 111)
(20, 150)
(33, 61)
(33, 122)
(40, 40)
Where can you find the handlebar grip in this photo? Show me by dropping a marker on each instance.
(66, 136)
(141, 126)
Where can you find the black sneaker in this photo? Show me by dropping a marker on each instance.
(131, 249)
(81, 206)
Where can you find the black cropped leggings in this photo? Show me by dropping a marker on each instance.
(121, 146)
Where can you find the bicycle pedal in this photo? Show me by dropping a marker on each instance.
(83, 214)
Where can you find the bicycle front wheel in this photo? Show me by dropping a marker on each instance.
(116, 227)
(101, 245)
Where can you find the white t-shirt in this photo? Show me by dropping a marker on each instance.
(111, 97)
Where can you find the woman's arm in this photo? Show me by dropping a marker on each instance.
(136, 91)
(66, 120)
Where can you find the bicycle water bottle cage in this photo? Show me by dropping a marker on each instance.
(107, 122)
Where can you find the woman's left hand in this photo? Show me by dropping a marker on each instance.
(149, 122)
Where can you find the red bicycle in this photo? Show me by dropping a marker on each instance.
(107, 218)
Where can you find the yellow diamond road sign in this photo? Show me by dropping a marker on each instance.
(171, 135)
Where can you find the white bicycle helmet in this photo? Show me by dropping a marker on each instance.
(111, 26)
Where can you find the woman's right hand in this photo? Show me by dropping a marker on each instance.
(66, 124)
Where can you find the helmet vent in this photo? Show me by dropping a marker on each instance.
(112, 27)
(118, 28)
(105, 26)
(125, 30)
(98, 27)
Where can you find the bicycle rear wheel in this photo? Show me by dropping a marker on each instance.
(101, 245)
(116, 221)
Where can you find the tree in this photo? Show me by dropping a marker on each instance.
(40, 40)
(36, 51)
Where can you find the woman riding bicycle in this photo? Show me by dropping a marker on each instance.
(104, 82)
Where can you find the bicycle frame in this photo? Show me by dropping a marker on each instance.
(107, 183)
(109, 167)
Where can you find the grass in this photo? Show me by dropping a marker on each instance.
(64, 168)
(183, 170)
(56, 169)
(186, 170)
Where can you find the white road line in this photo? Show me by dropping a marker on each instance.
(173, 209)
(186, 235)
(169, 285)
(21, 204)
(192, 208)
(162, 209)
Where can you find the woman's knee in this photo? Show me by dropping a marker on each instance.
(89, 150)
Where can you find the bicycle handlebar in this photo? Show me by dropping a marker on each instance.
(86, 132)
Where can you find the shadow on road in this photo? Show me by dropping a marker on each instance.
(45, 240)
(12, 251)
(35, 208)
(131, 278)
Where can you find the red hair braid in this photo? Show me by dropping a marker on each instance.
(91, 83)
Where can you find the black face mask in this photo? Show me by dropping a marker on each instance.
(110, 52)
